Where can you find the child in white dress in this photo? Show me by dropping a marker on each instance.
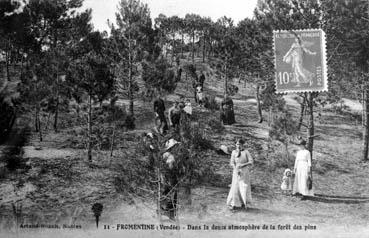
(286, 185)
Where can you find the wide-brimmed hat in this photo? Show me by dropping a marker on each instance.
(302, 142)
(170, 143)
(224, 149)
(149, 134)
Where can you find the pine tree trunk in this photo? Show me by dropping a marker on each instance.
(173, 48)
(158, 201)
(56, 114)
(193, 47)
(363, 120)
(130, 77)
(182, 45)
(36, 120)
(203, 49)
(39, 124)
(112, 141)
(301, 113)
(7, 59)
(258, 103)
(270, 121)
(225, 79)
(89, 146)
(310, 132)
(287, 153)
(366, 125)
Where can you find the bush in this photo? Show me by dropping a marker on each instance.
(232, 90)
(211, 104)
(199, 141)
(130, 122)
(216, 125)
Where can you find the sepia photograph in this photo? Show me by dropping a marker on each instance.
(184, 118)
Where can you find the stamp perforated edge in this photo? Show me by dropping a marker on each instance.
(324, 62)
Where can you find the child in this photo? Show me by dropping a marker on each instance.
(286, 185)
(199, 95)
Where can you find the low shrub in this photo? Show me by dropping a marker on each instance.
(211, 104)
(216, 125)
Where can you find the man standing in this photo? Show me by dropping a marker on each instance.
(227, 112)
(202, 79)
(174, 114)
(169, 180)
(159, 109)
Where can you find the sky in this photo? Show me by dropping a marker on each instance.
(235, 9)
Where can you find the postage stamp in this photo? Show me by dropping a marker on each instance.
(300, 61)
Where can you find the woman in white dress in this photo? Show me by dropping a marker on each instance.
(302, 172)
(240, 192)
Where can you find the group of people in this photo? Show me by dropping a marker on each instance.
(239, 195)
(302, 185)
(180, 107)
(168, 171)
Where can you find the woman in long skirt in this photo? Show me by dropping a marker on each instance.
(302, 172)
(240, 192)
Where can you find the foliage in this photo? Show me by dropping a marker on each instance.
(211, 104)
(283, 127)
(159, 75)
(216, 125)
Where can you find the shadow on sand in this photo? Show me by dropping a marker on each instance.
(338, 199)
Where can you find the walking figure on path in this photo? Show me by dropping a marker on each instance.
(227, 112)
(302, 170)
(160, 121)
(240, 192)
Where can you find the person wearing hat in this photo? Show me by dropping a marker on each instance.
(302, 171)
(188, 107)
(174, 113)
(240, 192)
(159, 109)
(286, 185)
(169, 180)
(150, 146)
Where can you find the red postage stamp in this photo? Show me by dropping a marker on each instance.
(300, 61)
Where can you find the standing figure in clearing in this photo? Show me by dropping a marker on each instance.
(240, 192)
(159, 108)
(302, 170)
(227, 112)
(169, 180)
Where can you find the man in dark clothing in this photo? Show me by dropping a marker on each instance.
(202, 79)
(227, 112)
(159, 109)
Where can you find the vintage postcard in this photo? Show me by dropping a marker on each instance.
(184, 118)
